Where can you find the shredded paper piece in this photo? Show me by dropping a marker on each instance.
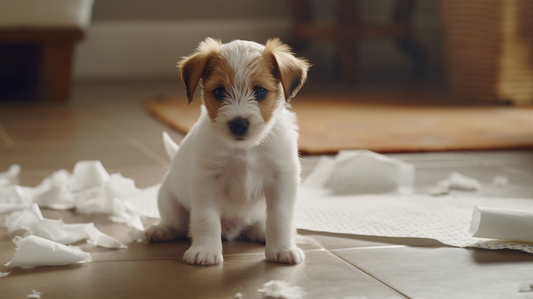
(10, 177)
(32, 221)
(281, 289)
(89, 189)
(500, 180)
(34, 251)
(4, 274)
(34, 295)
(362, 172)
(456, 181)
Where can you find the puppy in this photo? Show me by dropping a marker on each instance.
(237, 171)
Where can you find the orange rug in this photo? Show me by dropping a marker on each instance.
(330, 124)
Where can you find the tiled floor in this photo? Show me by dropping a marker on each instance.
(106, 121)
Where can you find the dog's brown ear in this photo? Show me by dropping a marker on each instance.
(290, 70)
(192, 67)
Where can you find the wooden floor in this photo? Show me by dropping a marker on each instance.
(107, 122)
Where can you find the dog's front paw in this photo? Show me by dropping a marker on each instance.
(291, 255)
(197, 255)
(157, 233)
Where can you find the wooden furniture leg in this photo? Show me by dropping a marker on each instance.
(402, 15)
(58, 66)
(347, 16)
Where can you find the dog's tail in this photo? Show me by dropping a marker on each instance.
(171, 146)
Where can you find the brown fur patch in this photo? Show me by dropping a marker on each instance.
(290, 70)
(263, 77)
(218, 74)
(192, 67)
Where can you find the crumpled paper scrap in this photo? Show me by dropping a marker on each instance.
(4, 274)
(13, 198)
(34, 251)
(34, 295)
(54, 192)
(361, 172)
(32, 220)
(99, 199)
(89, 189)
(10, 176)
(456, 181)
(504, 224)
(281, 289)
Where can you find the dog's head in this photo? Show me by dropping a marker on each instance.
(243, 84)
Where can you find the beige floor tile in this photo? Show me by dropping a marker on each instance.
(426, 272)
(322, 276)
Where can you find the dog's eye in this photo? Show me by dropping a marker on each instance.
(219, 93)
(260, 93)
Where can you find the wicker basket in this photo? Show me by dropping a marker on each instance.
(490, 49)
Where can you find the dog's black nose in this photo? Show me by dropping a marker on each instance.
(238, 126)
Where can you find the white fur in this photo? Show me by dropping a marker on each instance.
(218, 186)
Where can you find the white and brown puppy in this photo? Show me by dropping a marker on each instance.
(237, 171)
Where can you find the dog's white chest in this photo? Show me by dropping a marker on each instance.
(243, 178)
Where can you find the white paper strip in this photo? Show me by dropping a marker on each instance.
(10, 177)
(34, 251)
(32, 220)
(88, 174)
(54, 192)
(504, 224)
(13, 198)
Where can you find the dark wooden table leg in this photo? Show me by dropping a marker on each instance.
(403, 14)
(347, 15)
(58, 68)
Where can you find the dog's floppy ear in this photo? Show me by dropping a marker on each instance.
(290, 70)
(192, 67)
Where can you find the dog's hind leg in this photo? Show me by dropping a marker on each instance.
(174, 220)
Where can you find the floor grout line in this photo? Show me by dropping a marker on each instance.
(386, 285)
(5, 137)
(332, 251)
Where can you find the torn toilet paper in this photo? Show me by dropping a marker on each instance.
(362, 172)
(34, 295)
(34, 251)
(504, 224)
(10, 176)
(281, 289)
(456, 181)
(13, 198)
(32, 221)
(90, 189)
(445, 218)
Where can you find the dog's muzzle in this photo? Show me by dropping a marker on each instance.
(238, 126)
